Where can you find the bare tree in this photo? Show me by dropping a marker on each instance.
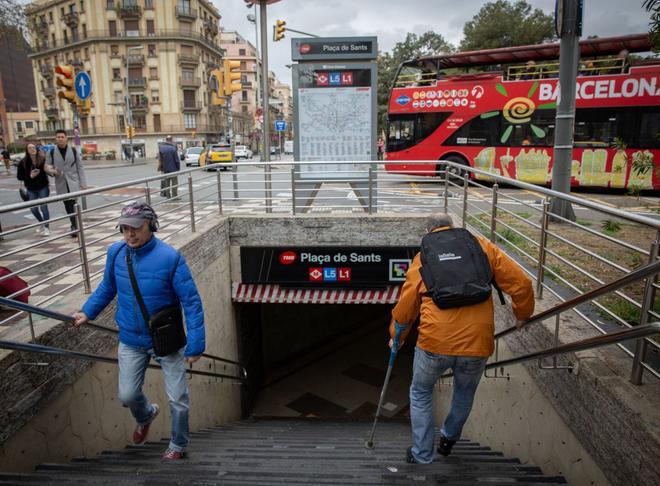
(12, 16)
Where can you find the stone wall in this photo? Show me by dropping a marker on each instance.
(69, 408)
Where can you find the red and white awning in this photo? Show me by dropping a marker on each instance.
(274, 294)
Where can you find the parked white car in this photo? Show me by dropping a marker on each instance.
(242, 152)
(191, 156)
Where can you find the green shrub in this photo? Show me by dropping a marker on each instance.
(610, 226)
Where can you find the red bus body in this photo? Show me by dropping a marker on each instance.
(596, 163)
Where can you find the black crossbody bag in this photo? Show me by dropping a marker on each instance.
(166, 325)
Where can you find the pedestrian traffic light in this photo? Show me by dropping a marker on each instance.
(84, 107)
(217, 87)
(229, 75)
(65, 81)
(278, 30)
(130, 131)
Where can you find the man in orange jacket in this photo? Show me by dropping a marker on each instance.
(458, 338)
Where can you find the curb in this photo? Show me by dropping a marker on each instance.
(112, 166)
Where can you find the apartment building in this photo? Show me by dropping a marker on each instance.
(244, 103)
(156, 53)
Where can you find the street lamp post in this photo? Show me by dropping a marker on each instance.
(253, 19)
(129, 112)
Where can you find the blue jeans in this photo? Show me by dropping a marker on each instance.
(132, 366)
(427, 368)
(40, 194)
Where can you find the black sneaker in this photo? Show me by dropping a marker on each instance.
(445, 445)
(410, 459)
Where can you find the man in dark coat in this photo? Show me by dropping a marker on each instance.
(168, 162)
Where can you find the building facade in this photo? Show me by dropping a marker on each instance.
(156, 54)
(246, 126)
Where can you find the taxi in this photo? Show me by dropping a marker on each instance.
(217, 153)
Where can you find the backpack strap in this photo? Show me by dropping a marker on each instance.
(499, 291)
(114, 259)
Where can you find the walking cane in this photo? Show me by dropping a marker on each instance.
(369, 444)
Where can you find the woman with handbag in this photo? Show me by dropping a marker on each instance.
(31, 172)
(153, 284)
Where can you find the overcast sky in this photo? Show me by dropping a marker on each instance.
(390, 20)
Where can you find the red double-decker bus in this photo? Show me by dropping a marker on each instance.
(455, 107)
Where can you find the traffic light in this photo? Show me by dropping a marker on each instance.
(217, 87)
(84, 107)
(65, 81)
(278, 30)
(229, 75)
(130, 131)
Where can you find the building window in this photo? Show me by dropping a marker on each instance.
(153, 73)
(86, 53)
(189, 120)
(155, 96)
(114, 50)
(116, 74)
(140, 121)
(132, 28)
(112, 27)
(29, 125)
(157, 123)
(66, 37)
(82, 6)
(119, 97)
(93, 124)
(120, 121)
(50, 17)
(244, 95)
(187, 75)
(110, 4)
(148, 3)
(241, 52)
(84, 29)
(150, 27)
(151, 50)
(19, 127)
(243, 66)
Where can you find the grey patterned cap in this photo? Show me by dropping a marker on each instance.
(136, 213)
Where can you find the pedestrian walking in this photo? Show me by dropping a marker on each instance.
(169, 161)
(6, 158)
(33, 175)
(152, 282)
(448, 285)
(63, 162)
(381, 148)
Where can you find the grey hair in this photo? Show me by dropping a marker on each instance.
(438, 220)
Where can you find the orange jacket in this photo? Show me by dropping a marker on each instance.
(461, 331)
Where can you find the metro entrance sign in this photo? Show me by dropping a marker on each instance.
(280, 125)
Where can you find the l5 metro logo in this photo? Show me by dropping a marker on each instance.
(403, 100)
(288, 257)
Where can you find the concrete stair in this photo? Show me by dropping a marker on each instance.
(279, 452)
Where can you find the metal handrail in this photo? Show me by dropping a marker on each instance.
(13, 304)
(644, 272)
(615, 337)
(38, 348)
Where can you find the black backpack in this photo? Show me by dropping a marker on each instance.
(455, 269)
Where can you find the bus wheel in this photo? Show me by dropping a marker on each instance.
(454, 173)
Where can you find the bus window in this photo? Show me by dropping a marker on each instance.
(595, 127)
(478, 131)
(648, 134)
(408, 130)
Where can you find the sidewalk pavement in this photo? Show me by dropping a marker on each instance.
(109, 164)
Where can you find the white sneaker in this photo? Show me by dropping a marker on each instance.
(45, 232)
(38, 230)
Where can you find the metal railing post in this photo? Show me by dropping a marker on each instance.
(234, 176)
(647, 303)
(540, 273)
(192, 203)
(219, 178)
(493, 214)
(371, 189)
(34, 339)
(83, 249)
(465, 196)
(293, 189)
(147, 193)
(446, 195)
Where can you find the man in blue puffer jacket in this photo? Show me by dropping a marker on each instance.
(163, 280)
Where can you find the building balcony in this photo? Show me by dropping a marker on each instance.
(46, 70)
(129, 11)
(141, 107)
(71, 19)
(41, 26)
(134, 59)
(190, 82)
(137, 82)
(191, 105)
(188, 58)
(52, 113)
(211, 27)
(49, 92)
(185, 13)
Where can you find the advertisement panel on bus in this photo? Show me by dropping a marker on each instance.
(507, 127)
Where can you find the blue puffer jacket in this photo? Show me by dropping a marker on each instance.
(160, 285)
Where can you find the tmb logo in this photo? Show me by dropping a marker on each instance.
(304, 48)
(403, 100)
(288, 257)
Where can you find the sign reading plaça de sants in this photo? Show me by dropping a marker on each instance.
(309, 49)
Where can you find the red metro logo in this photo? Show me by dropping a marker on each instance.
(305, 48)
(288, 257)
